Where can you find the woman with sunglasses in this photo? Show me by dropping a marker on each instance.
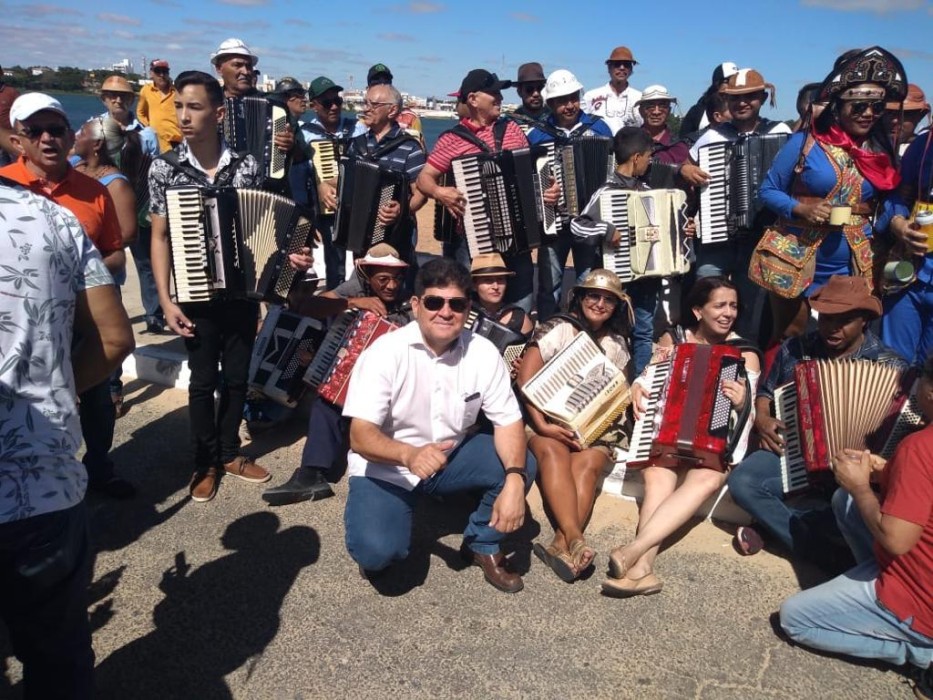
(569, 472)
(826, 186)
(672, 496)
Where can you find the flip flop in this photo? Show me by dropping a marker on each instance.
(555, 562)
(579, 550)
(747, 541)
(625, 587)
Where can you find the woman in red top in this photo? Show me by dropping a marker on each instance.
(882, 608)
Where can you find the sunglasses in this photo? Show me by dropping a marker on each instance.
(116, 96)
(56, 131)
(160, 71)
(862, 106)
(621, 64)
(595, 297)
(327, 104)
(457, 304)
(532, 88)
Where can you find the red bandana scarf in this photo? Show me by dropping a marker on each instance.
(874, 167)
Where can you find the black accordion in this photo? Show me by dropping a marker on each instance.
(281, 354)
(250, 125)
(233, 243)
(504, 211)
(509, 343)
(581, 166)
(729, 203)
(363, 188)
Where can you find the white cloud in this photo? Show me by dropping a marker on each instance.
(118, 19)
(879, 6)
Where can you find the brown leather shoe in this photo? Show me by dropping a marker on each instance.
(204, 485)
(248, 470)
(495, 570)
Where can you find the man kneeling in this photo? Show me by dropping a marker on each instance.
(414, 396)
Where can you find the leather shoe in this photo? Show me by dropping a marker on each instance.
(495, 570)
(204, 485)
(306, 484)
(244, 468)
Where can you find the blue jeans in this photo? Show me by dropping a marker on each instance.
(907, 323)
(853, 528)
(731, 260)
(45, 569)
(800, 524)
(335, 257)
(552, 259)
(378, 514)
(141, 249)
(646, 296)
(521, 287)
(844, 616)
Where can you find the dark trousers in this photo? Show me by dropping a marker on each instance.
(327, 436)
(45, 567)
(224, 333)
(98, 417)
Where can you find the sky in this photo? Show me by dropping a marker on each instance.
(430, 45)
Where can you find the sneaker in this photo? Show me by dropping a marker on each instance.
(204, 485)
(306, 484)
(155, 327)
(245, 468)
(747, 541)
(923, 682)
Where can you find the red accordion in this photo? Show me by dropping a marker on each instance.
(330, 370)
(687, 419)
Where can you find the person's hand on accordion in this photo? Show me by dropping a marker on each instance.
(562, 435)
(769, 430)
(690, 228)
(853, 469)
(734, 390)
(909, 233)
(388, 213)
(693, 175)
(302, 260)
(373, 304)
(176, 320)
(551, 196)
(327, 193)
(284, 140)
(452, 199)
(639, 400)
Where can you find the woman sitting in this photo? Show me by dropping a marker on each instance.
(667, 506)
(568, 472)
(490, 279)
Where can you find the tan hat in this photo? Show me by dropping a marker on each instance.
(746, 82)
(915, 101)
(621, 53)
(843, 294)
(117, 83)
(381, 255)
(655, 93)
(489, 265)
(605, 281)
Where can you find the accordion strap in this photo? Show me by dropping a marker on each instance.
(498, 133)
(387, 146)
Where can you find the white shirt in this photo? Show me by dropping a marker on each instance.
(725, 134)
(616, 110)
(417, 397)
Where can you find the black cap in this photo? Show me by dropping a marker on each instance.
(480, 80)
(380, 69)
(286, 85)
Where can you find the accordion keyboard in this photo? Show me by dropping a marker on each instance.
(613, 207)
(187, 233)
(793, 470)
(476, 224)
(643, 433)
(714, 198)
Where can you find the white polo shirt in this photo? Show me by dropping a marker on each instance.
(617, 110)
(417, 397)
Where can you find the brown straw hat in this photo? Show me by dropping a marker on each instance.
(843, 294)
(117, 83)
(489, 265)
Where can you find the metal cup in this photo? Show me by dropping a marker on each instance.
(840, 215)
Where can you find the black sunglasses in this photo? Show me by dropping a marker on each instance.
(532, 88)
(160, 71)
(457, 304)
(56, 131)
(327, 104)
(621, 64)
(862, 106)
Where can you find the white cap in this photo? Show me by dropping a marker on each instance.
(233, 47)
(561, 82)
(26, 105)
(654, 93)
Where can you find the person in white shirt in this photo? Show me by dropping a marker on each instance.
(414, 397)
(615, 101)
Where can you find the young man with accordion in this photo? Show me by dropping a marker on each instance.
(221, 325)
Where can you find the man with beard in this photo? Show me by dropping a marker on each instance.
(530, 88)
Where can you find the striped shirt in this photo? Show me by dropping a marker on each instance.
(407, 157)
(450, 146)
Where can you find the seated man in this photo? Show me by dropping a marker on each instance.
(802, 523)
(377, 286)
(414, 396)
(882, 608)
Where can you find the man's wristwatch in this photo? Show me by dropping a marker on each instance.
(520, 471)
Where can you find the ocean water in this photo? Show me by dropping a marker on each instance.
(80, 108)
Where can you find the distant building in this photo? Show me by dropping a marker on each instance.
(124, 66)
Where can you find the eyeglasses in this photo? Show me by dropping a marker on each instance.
(621, 64)
(387, 279)
(367, 105)
(862, 106)
(651, 106)
(116, 96)
(596, 297)
(56, 131)
(457, 304)
(532, 88)
(327, 104)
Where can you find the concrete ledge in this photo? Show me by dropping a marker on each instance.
(158, 365)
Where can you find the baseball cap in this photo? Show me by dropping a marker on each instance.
(480, 80)
(376, 71)
(724, 71)
(320, 85)
(158, 63)
(233, 47)
(26, 105)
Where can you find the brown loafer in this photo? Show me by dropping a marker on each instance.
(494, 570)
(203, 485)
(625, 587)
(248, 470)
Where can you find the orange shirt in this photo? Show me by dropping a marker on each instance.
(83, 196)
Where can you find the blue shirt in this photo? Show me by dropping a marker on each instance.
(917, 172)
(407, 157)
(587, 125)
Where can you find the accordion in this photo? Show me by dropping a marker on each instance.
(326, 159)
(836, 404)
(230, 242)
(281, 354)
(445, 223)
(581, 166)
(580, 389)
(509, 343)
(687, 417)
(504, 210)
(729, 203)
(363, 188)
(330, 370)
(651, 229)
(250, 125)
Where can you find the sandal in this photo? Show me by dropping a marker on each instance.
(617, 569)
(558, 562)
(581, 555)
(625, 587)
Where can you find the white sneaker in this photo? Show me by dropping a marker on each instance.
(245, 437)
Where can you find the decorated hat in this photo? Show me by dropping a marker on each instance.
(381, 255)
(489, 265)
(843, 294)
(747, 81)
(287, 85)
(560, 83)
(873, 65)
